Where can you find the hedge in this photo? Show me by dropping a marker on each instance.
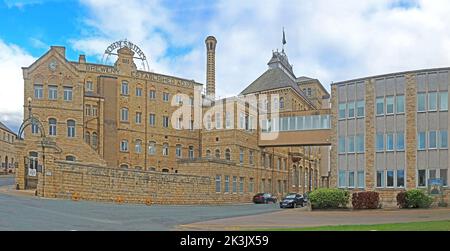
(365, 200)
(326, 198)
(414, 199)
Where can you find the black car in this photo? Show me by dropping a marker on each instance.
(293, 200)
(264, 198)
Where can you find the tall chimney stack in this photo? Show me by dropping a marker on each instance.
(211, 67)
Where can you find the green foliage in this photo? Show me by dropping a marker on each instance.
(325, 198)
(414, 199)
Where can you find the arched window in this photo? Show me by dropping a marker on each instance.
(281, 103)
(124, 114)
(71, 128)
(94, 140)
(227, 154)
(217, 155)
(165, 170)
(153, 169)
(124, 166)
(124, 145)
(151, 148)
(165, 149)
(208, 153)
(70, 158)
(34, 127)
(87, 138)
(138, 146)
(191, 152)
(52, 127)
(275, 103)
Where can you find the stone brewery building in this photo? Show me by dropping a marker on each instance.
(121, 133)
(8, 159)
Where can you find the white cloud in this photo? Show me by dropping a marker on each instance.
(12, 58)
(329, 40)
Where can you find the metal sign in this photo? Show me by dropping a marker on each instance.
(435, 186)
(112, 50)
(32, 172)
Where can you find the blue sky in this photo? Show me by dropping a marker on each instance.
(329, 40)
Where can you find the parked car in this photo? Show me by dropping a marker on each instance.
(293, 200)
(264, 198)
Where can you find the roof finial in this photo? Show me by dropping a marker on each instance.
(284, 39)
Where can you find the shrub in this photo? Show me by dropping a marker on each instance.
(401, 200)
(325, 198)
(414, 199)
(365, 200)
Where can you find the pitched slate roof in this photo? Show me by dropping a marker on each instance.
(4, 127)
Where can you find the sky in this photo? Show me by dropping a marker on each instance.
(331, 40)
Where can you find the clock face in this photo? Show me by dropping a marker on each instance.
(52, 65)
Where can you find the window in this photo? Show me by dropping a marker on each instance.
(281, 103)
(341, 179)
(178, 151)
(217, 154)
(422, 182)
(351, 179)
(400, 141)
(124, 146)
(380, 142)
(52, 92)
(250, 157)
(165, 170)
(152, 94)
(421, 104)
(227, 184)
(138, 119)
(67, 93)
(390, 105)
(39, 91)
(218, 183)
(152, 119)
(70, 158)
(432, 139)
(390, 142)
(360, 109)
(228, 120)
(443, 139)
(342, 108)
(400, 104)
(89, 86)
(432, 101)
(278, 163)
(360, 143)
(191, 152)
(87, 110)
(309, 91)
(275, 103)
(401, 178)
(380, 106)
(351, 144)
(124, 89)
(432, 174)
(390, 178)
(138, 92)
(251, 185)
(208, 154)
(380, 178)
(208, 122)
(361, 179)
(52, 127)
(70, 128)
(443, 176)
(166, 97)
(421, 141)
(351, 110)
(94, 111)
(241, 156)
(34, 127)
(241, 184)
(165, 121)
(341, 144)
(165, 149)
(241, 120)
(218, 120)
(138, 146)
(443, 101)
(94, 140)
(151, 148)
(124, 166)
(227, 154)
(124, 114)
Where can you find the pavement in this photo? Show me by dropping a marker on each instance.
(26, 212)
(301, 218)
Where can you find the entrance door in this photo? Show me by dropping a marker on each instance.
(31, 171)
